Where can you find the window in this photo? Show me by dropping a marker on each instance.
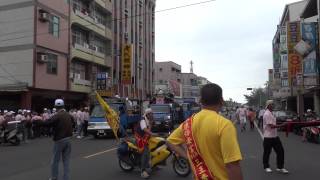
(160, 81)
(54, 23)
(76, 5)
(79, 37)
(160, 69)
(100, 18)
(100, 45)
(79, 70)
(284, 83)
(52, 64)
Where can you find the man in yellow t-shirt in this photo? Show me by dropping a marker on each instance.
(215, 137)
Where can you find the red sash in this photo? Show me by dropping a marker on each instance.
(201, 170)
(141, 141)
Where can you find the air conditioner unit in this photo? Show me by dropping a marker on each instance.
(42, 58)
(140, 2)
(140, 23)
(43, 16)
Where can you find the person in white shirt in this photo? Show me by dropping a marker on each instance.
(45, 117)
(19, 116)
(271, 140)
(22, 119)
(260, 116)
(145, 132)
(86, 118)
(242, 115)
(80, 121)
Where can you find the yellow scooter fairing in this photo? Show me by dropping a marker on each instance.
(158, 149)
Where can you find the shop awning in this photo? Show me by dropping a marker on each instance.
(14, 87)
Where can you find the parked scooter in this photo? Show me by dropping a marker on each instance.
(313, 134)
(11, 133)
(129, 157)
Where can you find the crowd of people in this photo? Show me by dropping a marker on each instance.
(34, 124)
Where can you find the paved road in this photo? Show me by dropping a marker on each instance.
(96, 160)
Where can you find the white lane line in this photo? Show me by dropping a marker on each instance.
(259, 131)
(99, 153)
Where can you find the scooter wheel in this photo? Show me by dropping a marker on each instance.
(15, 141)
(126, 167)
(317, 139)
(181, 166)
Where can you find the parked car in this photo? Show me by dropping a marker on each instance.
(285, 116)
(99, 127)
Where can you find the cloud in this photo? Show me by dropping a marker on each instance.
(229, 40)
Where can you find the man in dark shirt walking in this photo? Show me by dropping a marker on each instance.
(62, 123)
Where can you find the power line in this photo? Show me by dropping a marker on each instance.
(137, 15)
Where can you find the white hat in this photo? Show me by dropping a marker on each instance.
(269, 102)
(45, 109)
(309, 110)
(147, 111)
(5, 111)
(59, 102)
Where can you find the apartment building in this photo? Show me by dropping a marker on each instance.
(133, 47)
(52, 49)
(167, 77)
(90, 43)
(295, 80)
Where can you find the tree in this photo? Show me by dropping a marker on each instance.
(257, 98)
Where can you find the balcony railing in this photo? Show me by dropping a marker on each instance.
(85, 15)
(82, 82)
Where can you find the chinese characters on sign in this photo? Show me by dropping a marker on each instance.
(294, 59)
(126, 64)
(283, 40)
(104, 84)
(102, 81)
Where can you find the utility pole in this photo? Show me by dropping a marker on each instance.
(191, 67)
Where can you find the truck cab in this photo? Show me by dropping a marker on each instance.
(163, 117)
(187, 112)
(98, 125)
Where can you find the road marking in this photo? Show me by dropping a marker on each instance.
(259, 131)
(99, 153)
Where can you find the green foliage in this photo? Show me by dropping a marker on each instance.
(257, 97)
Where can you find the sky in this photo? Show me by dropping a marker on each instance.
(229, 41)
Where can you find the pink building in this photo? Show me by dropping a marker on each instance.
(36, 61)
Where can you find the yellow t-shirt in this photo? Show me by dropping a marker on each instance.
(216, 139)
